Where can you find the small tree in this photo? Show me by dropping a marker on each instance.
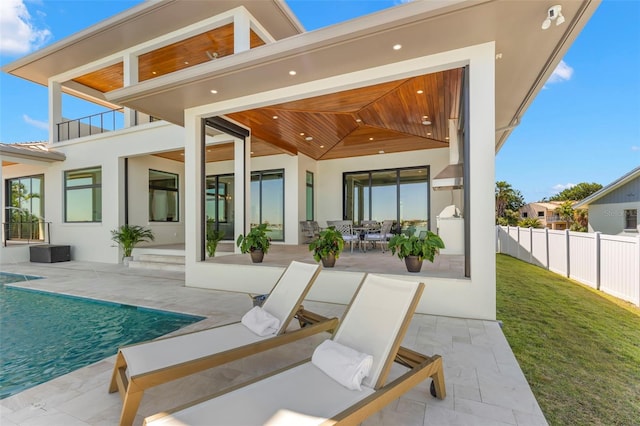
(508, 202)
(530, 222)
(128, 236)
(565, 211)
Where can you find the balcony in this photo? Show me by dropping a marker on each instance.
(95, 124)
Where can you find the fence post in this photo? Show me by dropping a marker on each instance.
(567, 243)
(518, 240)
(638, 270)
(530, 245)
(597, 247)
(546, 245)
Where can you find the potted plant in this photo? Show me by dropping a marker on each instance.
(256, 242)
(213, 237)
(129, 236)
(414, 249)
(327, 246)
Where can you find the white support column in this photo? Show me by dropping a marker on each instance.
(55, 109)
(193, 189)
(241, 32)
(242, 179)
(130, 71)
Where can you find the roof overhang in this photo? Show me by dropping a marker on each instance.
(141, 23)
(28, 154)
(526, 55)
(633, 174)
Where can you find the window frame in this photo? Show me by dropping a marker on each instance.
(159, 188)
(310, 215)
(93, 186)
(627, 214)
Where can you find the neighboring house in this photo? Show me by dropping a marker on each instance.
(614, 209)
(231, 111)
(545, 212)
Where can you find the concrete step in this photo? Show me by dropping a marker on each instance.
(160, 258)
(156, 266)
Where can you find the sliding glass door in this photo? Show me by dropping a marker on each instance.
(401, 195)
(219, 204)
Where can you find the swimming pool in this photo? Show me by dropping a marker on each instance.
(45, 335)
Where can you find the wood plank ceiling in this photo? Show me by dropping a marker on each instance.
(383, 118)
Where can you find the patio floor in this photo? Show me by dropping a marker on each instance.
(485, 385)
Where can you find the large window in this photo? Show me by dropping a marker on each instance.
(83, 195)
(219, 204)
(163, 196)
(631, 219)
(25, 208)
(398, 194)
(309, 196)
(267, 201)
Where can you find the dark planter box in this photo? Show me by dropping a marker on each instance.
(48, 253)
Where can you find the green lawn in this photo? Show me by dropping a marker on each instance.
(579, 349)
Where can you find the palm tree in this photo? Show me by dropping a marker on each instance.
(565, 211)
(508, 201)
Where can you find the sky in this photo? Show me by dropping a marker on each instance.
(584, 126)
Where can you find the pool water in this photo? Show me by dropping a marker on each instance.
(44, 335)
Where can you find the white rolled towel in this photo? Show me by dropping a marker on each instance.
(261, 322)
(342, 363)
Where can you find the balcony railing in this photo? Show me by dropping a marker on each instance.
(107, 121)
(555, 218)
(26, 232)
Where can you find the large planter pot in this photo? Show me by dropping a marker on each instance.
(257, 256)
(413, 263)
(329, 261)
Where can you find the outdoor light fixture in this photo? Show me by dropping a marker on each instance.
(553, 14)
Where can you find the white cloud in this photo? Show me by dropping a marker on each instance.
(563, 72)
(561, 186)
(18, 34)
(635, 148)
(35, 123)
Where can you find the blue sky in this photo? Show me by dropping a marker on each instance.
(583, 127)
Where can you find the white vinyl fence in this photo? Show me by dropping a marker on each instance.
(608, 263)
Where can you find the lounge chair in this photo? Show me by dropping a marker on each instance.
(303, 394)
(141, 366)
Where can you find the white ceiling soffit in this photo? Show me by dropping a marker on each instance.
(528, 54)
(141, 23)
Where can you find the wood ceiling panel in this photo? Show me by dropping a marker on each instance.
(349, 101)
(224, 152)
(105, 79)
(190, 52)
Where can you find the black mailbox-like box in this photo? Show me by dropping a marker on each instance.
(48, 253)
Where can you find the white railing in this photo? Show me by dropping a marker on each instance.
(608, 263)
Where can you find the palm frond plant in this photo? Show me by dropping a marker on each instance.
(129, 236)
(213, 237)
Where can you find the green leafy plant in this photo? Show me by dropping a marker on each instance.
(213, 238)
(426, 248)
(129, 236)
(530, 222)
(256, 239)
(328, 242)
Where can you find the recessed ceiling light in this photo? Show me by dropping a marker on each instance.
(275, 117)
(370, 139)
(182, 153)
(447, 138)
(214, 91)
(397, 46)
(321, 146)
(424, 117)
(301, 133)
(154, 73)
(292, 72)
(186, 62)
(358, 120)
(426, 123)
(429, 134)
(420, 92)
(381, 152)
(208, 150)
(308, 138)
(251, 152)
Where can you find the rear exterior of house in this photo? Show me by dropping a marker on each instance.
(272, 124)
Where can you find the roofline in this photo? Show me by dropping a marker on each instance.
(607, 189)
(31, 154)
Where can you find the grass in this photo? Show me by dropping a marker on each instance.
(580, 351)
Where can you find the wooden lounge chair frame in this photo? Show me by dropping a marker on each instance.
(421, 367)
(131, 388)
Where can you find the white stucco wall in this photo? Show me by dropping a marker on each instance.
(92, 241)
